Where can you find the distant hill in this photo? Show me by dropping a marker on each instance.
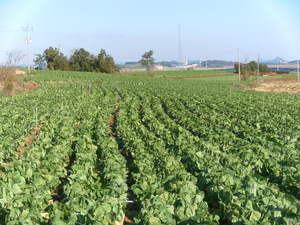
(214, 63)
(277, 59)
(294, 62)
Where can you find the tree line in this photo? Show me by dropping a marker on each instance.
(80, 60)
(251, 68)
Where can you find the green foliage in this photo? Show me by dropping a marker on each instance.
(263, 69)
(39, 61)
(49, 55)
(80, 60)
(147, 60)
(193, 151)
(186, 73)
(105, 63)
(61, 62)
(252, 66)
(251, 69)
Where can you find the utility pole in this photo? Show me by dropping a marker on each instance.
(179, 46)
(298, 69)
(239, 64)
(28, 41)
(258, 67)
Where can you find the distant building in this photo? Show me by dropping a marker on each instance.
(192, 65)
(157, 67)
(187, 66)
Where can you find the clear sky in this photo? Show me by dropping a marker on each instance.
(127, 28)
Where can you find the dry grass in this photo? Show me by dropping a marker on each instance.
(288, 85)
(11, 81)
(279, 86)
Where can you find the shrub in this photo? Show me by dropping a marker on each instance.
(8, 84)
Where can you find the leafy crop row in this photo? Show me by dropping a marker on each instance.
(62, 172)
(166, 191)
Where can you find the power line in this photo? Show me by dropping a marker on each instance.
(7, 30)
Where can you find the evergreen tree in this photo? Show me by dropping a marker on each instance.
(80, 60)
(147, 60)
(49, 55)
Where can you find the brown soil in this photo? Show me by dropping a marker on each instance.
(290, 86)
(31, 87)
(28, 140)
(19, 85)
(128, 218)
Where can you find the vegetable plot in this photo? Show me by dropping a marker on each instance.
(66, 174)
(111, 149)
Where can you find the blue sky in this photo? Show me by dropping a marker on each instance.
(127, 28)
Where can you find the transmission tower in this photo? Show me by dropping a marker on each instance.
(179, 46)
(28, 41)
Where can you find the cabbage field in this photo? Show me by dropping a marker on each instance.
(90, 148)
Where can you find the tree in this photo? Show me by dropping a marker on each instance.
(100, 61)
(109, 65)
(54, 58)
(80, 60)
(60, 62)
(39, 61)
(80, 57)
(14, 57)
(49, 55)
(8, 71)
(236, 67)
(250, 69)
(147, 60)
(253, 66)
(263, 68)
(105, 63)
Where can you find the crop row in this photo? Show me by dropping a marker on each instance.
(231, 185)
(72, 172)
(166, 191)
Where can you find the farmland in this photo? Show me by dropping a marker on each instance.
(87, 148)
(184, 73)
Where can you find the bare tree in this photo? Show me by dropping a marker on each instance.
(14, 57)
(8, 71)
